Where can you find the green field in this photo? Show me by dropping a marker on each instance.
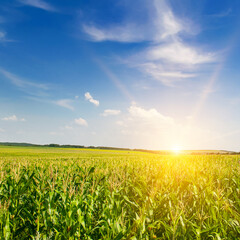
(54, 193)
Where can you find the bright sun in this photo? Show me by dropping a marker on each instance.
(176, 149)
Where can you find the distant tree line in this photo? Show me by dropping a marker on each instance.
(60, 146)
(191, 152)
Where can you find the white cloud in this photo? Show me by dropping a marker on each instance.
(81, 121)
(38, 4)
(179, 53)
(2, 130)
(91, 99)
(67, 127)
(166, 24)
(165, 74)
(126, 33)
(171, 62)
(66, 103)
(109, 112)
(13, 118)
(149, 128)
(169, 58)
(148, 116)
(159, 24)
(171, 25)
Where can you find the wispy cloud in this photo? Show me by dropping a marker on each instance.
(179, 53)
(3, 34)
(2, 130)
(160, 25)
(110, 112)
(126, 33)
(81, 122)
(168, 58)
(89, 98)
(225, 13)
(4, 38)
(32, 88)
(165, 22)
(67, 127)
(66, 103)
(165, 74)
(38, 4)
(172, 62)
(20, 82)
(13, 118)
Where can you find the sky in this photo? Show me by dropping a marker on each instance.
(152, 74)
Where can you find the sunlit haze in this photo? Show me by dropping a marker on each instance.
(152, 74)
(176, 150)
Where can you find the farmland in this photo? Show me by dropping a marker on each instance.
(54, 193)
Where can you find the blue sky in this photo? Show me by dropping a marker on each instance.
(153, 74)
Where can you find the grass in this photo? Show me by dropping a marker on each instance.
(52, 193)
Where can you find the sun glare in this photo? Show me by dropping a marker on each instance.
(176, 150)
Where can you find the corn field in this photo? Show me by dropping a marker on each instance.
(50, 193)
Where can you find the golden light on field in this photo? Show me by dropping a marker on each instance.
(176, 150)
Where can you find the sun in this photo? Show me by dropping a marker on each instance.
(176, 150)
